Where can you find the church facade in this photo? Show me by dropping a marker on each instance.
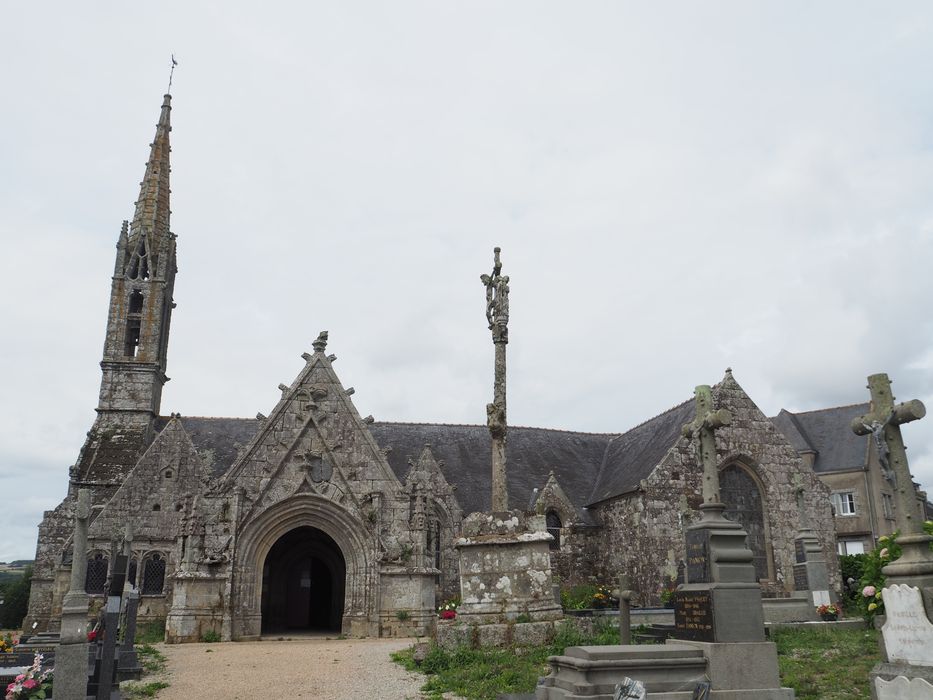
(314, 517)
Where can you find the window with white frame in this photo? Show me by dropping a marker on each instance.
(851, 546)
(844, 502)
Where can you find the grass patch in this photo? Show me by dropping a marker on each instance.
(827, 664)
(132, 691)
(819, 664)
(151, 659)
(150, 632)
(484, 674)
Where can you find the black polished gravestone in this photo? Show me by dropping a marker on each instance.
(104, 683)
(693, 616)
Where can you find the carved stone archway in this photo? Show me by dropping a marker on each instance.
(306, 510)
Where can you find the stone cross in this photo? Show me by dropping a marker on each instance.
(71, 657)
(703, 428)
(497, 314)
(883, 423)
(79, 556)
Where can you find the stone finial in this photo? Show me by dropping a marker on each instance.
(260, 416)
(369, 420)
(350, 391)
(306, 356)
(320, 345)
(331, 358)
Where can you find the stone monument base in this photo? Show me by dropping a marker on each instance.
(505, 569)
(737, 671)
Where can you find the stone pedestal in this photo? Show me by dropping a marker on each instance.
(505, 569)
(71, 655)
(811, 574)
(197, 606)
(407, 607)
(721, 600)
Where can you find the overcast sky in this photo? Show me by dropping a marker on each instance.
(677, 188)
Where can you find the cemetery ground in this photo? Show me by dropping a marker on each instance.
(820, 662)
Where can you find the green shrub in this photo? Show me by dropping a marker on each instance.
(15, 595)
(211, 636)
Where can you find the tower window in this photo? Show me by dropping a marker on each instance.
(132, 337)
(136, 302)
(140, 266)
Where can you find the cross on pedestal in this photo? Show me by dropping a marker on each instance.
(703, 428)
(883, 422)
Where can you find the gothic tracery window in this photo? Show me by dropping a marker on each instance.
(553, 522)
(153, 575)
(95, 580)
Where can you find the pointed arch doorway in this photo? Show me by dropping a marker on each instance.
(303, 583)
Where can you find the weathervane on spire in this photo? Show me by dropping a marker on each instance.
(170, 74)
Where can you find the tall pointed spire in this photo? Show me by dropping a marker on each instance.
(152, 208)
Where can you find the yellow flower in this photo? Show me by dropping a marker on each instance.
(872, 606)
(878, 595)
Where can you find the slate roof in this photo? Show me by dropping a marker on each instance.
(221, 438)
(465, 450)
(632, 456)
(827, 433)
(590, 467)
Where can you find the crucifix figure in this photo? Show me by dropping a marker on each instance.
(497, 314)
(883, 423)
(703, 429)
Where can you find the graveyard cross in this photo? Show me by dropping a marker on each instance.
(883, 423)
(497, 314)
(79, 556)
(702, 428)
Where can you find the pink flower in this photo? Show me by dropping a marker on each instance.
(30, 683)
(19, 678)
(868, 591)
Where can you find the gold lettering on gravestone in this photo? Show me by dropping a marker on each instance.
(693, 615)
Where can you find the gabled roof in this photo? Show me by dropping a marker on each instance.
(217, 439)
(632, 456)
(465, 451)
(827, 433)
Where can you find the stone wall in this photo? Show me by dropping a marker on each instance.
(643, 535)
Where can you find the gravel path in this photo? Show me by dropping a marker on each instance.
(337, 669)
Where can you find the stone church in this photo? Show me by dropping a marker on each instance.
(314, 517)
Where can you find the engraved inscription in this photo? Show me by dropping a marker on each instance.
(908, 634)
(801, 582)
(697, 542)
(693, 615)
(801, 555)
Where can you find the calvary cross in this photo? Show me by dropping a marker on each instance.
(703, 427)
(884, 422)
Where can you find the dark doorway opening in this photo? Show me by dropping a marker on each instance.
(303, 583)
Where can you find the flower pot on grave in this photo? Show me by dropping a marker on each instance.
(829, 617)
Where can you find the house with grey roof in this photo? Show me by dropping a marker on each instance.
(862, 499)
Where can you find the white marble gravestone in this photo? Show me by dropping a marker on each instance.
(908, 634)
(903, 689)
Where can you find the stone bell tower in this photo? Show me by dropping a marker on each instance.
(141, 304)
(136, 344)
